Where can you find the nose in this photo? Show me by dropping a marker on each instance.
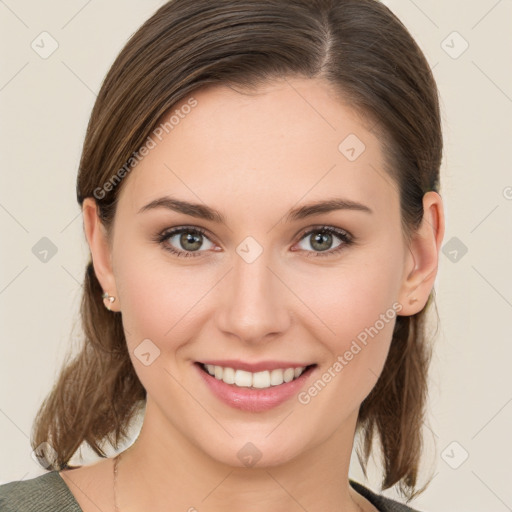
(252, 301)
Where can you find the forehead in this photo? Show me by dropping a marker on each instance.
(286, 141)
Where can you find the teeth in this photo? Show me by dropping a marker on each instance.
(259, 380)
(228, 375)
(243, 379)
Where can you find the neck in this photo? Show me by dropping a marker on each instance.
(160, 471)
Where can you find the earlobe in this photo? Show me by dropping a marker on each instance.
(97, 240)
(423, 259)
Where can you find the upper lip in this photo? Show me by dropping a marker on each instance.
(255, 367)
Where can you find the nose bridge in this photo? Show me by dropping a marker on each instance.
(253, 304)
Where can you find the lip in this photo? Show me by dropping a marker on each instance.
(254, 400)
(236, 364)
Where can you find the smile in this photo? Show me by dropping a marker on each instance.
(257, 380)
(255, 391)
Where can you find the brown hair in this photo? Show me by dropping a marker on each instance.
(367, 54)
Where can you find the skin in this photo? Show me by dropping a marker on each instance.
(253, 158)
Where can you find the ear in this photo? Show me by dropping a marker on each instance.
(423, 258)
(97, 239)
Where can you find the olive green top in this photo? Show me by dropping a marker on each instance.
(50, 493)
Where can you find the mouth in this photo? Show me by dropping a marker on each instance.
(257, 391)
(256, 380)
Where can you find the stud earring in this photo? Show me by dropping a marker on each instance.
(110, 298)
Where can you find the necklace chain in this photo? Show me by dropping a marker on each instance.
(116, 462)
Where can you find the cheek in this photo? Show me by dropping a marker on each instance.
(157, 297)
(355, 310)
(160, 305)
(352, 295)
(363, 327)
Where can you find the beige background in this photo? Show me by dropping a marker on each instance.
(45, 104)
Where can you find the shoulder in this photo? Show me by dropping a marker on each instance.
(44, 493)
(382, 503)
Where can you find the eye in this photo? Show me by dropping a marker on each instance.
(187, 239)
(320, 239)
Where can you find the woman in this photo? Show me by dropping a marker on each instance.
(260, 193)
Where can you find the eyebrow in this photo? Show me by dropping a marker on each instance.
(202, 211)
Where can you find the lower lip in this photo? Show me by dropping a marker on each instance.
(254, 400)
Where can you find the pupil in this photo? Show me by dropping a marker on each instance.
(189, 238)
(318, 238)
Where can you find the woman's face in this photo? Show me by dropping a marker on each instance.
(265, 284)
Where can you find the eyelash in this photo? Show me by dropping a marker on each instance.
(345, 237)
